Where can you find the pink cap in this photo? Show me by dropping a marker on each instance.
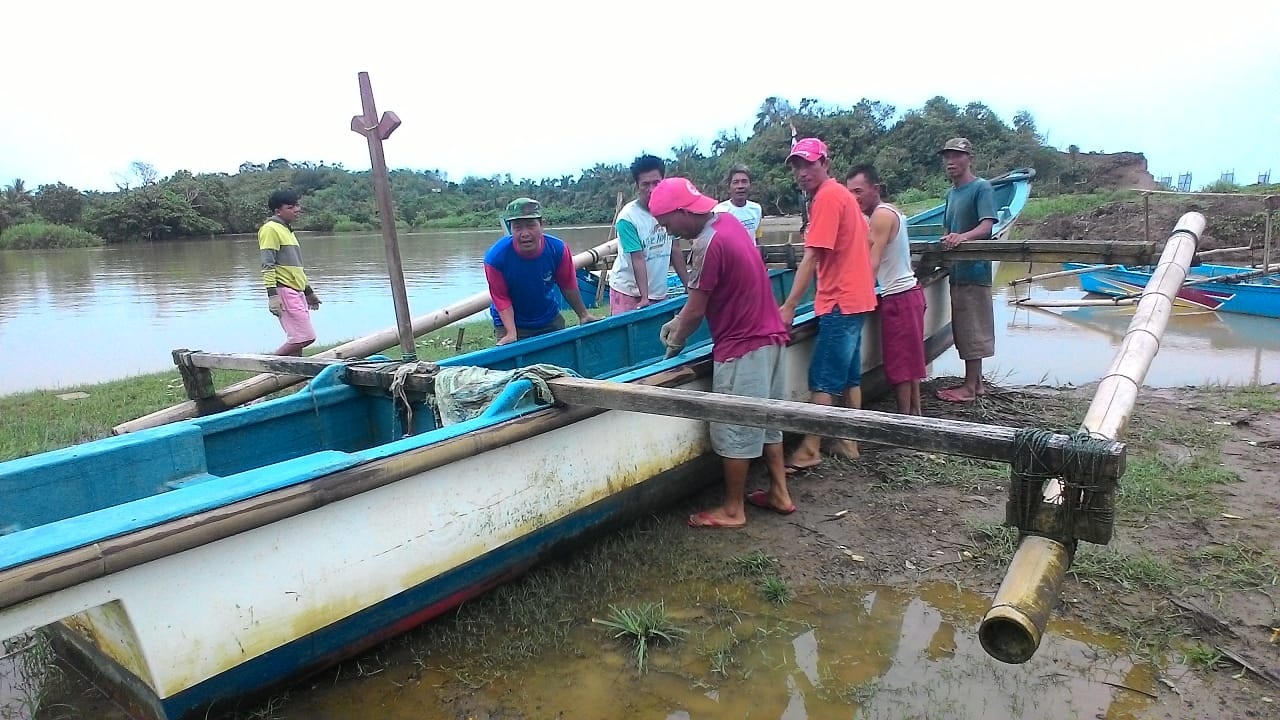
(809, 149)
(677, 193)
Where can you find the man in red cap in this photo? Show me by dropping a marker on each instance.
(729, 285)
(837, 249)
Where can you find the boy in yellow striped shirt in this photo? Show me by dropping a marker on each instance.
(289, 295)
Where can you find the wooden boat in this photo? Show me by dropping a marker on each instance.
(1243, 290)
(213, 557)
(220, 555)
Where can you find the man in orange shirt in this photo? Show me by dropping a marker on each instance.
(837, 248)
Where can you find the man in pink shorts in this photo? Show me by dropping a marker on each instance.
(901, 306)
(289, 295)
(729, 286)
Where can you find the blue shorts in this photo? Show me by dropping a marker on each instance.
(837, 354)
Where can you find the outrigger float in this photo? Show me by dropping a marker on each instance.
(193, 561)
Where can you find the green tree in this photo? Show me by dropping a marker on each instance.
(59, 203)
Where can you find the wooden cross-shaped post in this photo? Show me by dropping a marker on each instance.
(375, 131)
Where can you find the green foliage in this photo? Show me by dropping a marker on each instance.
(902, 146)
(40, 234)
(1222, 186)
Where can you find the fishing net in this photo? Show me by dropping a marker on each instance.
(1081, 478)
(462, 393)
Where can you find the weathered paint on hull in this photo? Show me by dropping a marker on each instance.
(298, 595)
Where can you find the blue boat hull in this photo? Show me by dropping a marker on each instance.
(1257, 296)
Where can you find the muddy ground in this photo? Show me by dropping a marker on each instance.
(1231, 222)
(1189, 585)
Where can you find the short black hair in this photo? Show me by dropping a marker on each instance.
(280, 198)
(865, 169)
(739, 168)
(647, 163)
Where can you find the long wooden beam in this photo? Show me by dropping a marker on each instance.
(1005, 249)
(952, 437)
(365, 373)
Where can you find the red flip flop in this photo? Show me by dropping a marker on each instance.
(760, 498)
(705, 520)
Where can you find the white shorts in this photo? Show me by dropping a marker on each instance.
(759, 373)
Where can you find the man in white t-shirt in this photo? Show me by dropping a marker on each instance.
(748, 213)
(645, 250)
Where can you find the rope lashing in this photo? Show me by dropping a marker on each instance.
(1087, 496)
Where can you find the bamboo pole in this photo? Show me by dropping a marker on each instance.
(1223, 251)
(1083, 302)
(1060, 273)
(1014, 625)
(264, 384)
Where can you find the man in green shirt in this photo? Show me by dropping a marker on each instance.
(970, 215)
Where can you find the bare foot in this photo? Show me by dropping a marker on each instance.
(715, 519)
(957, 394)
(798, 463)
(845, 449)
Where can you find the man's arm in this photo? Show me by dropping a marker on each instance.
(567, 279)
(688, 319)
(641, 271)
(678, 262)
(805, 271)
(824, 224)
(502, 301)
(884, 228)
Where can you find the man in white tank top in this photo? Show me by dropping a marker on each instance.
(901, 303)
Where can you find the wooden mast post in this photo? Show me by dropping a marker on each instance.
(375, 130)
(1015, 623)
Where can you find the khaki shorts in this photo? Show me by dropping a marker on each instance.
(973, 321)
(761, 374)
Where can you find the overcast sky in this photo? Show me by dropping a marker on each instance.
(541, 89)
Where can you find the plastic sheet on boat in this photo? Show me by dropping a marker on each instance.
(462, 393)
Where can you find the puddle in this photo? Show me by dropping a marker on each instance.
(862, 653)
(25, 676)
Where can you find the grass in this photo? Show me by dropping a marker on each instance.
(776, 590)
(1254, 397)
(1129, 569)
(30, 661)
(913, 469)
(1039, 208)
(1159, 485)
(756, 564)
(37, 421)
(643, 625)
(1200, 656)
(994, 543)
(42, 234)
(1237, 565)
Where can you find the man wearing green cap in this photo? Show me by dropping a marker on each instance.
(970, 215)
(523, 270)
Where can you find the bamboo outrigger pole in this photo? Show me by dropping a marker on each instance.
(375, 130)
(266, 383)
(1015, 623)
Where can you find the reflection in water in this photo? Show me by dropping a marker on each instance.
(70, 317)
(858, 653)
(1077, 345)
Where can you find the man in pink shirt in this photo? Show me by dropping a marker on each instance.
(729, 286)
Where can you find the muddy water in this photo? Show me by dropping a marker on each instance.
(71, 317)
(1075, 346)
(870, 652)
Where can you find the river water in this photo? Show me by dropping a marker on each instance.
(74, 317)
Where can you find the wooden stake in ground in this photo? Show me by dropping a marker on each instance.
(375, 130)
